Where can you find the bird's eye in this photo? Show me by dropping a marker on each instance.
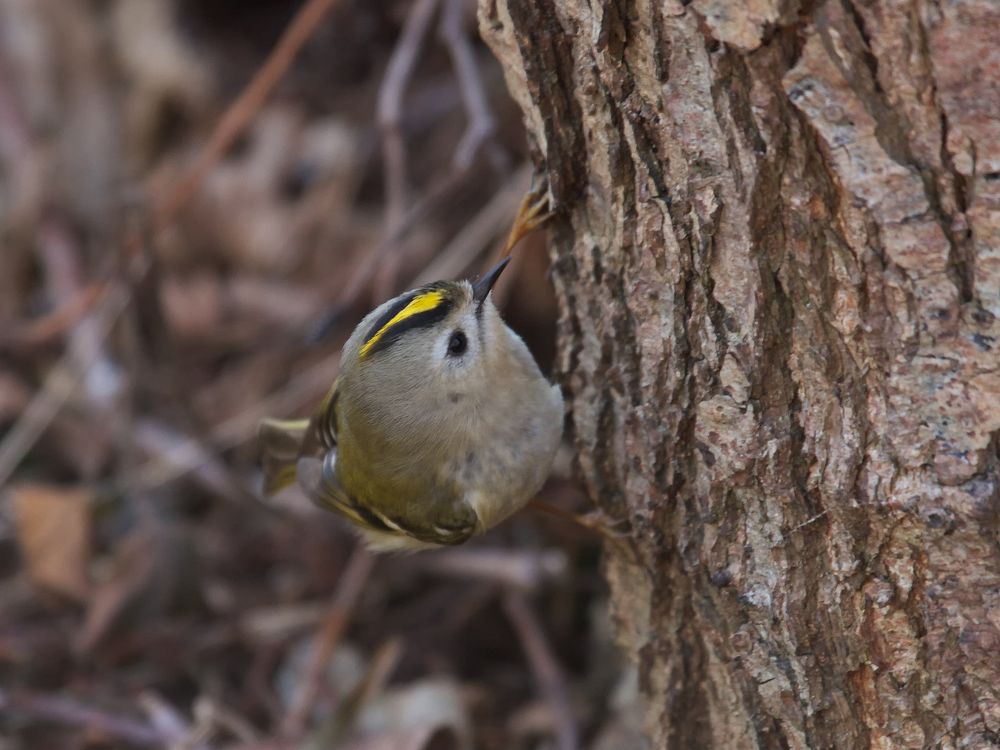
(457, 344)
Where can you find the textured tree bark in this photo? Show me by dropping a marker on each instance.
(778, 264)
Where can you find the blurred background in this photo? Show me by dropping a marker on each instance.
(198, 200)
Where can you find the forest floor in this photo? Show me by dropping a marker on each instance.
(185, 250)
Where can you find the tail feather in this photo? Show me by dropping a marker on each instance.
(281, 441)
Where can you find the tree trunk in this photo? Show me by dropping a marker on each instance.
(778, 265)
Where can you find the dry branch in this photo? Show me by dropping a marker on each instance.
(344, 601)
(548, 674)
(85, 719)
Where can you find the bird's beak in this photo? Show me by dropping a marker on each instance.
(481, 288)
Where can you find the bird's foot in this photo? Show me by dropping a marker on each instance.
(603, 524)
(596, 521)
(531, 214)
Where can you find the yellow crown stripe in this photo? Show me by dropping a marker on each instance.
(420, 303)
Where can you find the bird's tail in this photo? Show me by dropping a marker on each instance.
(281, 443)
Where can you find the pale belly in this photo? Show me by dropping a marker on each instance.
(504, 475)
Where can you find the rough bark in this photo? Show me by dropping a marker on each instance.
(778, 263)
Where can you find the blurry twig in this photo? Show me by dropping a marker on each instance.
(390, 107)
(64, 377)
(183, 455)
(241, 112)
(544, 666)
(482, 126)
(554, 511)
(352, 583)
(399, 217)
(456, 256)
(61, 256)
(372, 684)
(365, 271)
(382, 665)
(14, 138)
(211, 717)
(165, 719)
(174, 453)
(73, 714)
(48, 327)
(389, 116)
(476, 234)
(525, 570)
(59, 385)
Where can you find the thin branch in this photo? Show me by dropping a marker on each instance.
(546, 669)
(522, 570)
(453, 258)
(349, 590)
(14, 137)
(577, 521)
(366, 270)
(61, 257)
(172, 453)
(389, 108)
(489, 222)
(239, 114)
(389, 116)
(189, 454)
(482, 125)
(380, 669)
(50, 326)
(59, 385)
(70, 713)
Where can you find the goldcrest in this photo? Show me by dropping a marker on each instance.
(439, 427)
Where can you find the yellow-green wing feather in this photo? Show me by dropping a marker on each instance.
(281, 442)
(305, 450)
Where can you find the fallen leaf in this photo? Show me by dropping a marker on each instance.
(53, 532)
(429, 712)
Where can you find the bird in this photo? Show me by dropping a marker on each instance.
(440, 424)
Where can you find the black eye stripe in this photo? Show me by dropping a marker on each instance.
(420, 320)
(388, 315)
(417, 320)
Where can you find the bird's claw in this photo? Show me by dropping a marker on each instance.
(603, 524)
(531, 214)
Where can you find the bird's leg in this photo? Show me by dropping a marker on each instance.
(596, 521)
(531, 214)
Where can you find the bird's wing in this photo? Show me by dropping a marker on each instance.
(429, 516)
(446, 523)
(321, 437)
(283, 442)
